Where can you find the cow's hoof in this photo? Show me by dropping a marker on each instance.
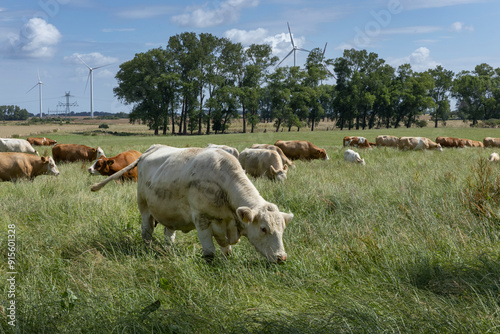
(209, 257)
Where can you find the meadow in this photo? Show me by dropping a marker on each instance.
(408, 243)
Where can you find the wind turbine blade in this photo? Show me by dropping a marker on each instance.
(88, 77)
(300, 49)
(32, 88)
(324, 49)
(289, 53)
(95, 68)
(90, 68)
(290, 32)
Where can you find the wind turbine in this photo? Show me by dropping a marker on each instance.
(39, 84)
(294, 49)
(91, 76)
(323, 62)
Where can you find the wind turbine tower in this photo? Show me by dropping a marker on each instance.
(91, 77)
(40, 83)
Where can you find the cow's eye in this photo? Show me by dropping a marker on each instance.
(263, 229)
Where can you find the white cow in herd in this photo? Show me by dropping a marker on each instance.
(352, 156)
(494, 157)
(228, 149)
(259, 162)
(207, 190)
(16, 145)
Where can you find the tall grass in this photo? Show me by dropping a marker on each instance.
(389, 247)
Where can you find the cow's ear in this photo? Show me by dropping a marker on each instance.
(44, 159)
(110, 162)
(285, 167)
(245, 214)
(287, 217)
(273, 170)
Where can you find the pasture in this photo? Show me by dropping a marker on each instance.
(408, 243)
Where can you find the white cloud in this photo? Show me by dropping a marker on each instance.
(204, 16)
(460, 26)
(145, 12)
(420, 60)
(36, 39)
(93, 59)
(412, 4)
(411, 30)
(247, 37)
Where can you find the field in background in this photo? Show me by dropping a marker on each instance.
(407, 243)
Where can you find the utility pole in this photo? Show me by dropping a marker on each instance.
(67, 104)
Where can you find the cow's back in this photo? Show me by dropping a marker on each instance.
(73, 152)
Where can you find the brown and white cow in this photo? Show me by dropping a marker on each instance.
(284, 158)
(75, 152)
(15, 166)
(39, 141)
(207, 190)
(109, 166)
(386, 140)
(450, 142)
(260, 161)
(418, 143)
(16, 145)
(473, 143)
(360, 142)
(301, 149)
(491, 142)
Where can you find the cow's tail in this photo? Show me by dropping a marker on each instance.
(98, 186)
(117, 175)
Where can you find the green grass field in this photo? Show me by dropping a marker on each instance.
(408, 243)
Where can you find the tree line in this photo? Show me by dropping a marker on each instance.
(13, 113)
(201, 83)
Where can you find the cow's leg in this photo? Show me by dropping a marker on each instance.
(147, 227)
(205, 236)
(169, 236)
(226, 251)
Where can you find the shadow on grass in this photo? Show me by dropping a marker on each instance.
(480, 275)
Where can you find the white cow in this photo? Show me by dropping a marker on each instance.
(284, 158)
(207, 190)
(228, 149)
(258, 162)
(494, 157)
(16, 145)
(352, 156)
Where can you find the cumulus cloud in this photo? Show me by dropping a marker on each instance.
(94, 59)
(36, 39)
(460, 26)
(420, 60)
(227, 11)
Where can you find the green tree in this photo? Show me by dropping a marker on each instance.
(13, 113)
(443, 80)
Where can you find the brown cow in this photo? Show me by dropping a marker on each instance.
(75, 152)
(386, 140)
(473, 143)
(451, 142)
(282, 155)
(109, 166)
(360, 142)
(491, 142)
(39, 141)
(301, 149)
(14, 166)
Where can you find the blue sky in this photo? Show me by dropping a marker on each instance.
(48, 36)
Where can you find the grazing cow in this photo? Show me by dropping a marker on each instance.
(75, 152)
(473, 143)
(228, 149)
(418, 143)
(14, 166)
(41, 141)
(491, 142)
(354, 141)
(284, 158)
(16, 145)
(494, 157)
(301, 149)
(450, 142)
(386, 140)
(109, 166)
(352, 156)
(260, 161)
(207, 190)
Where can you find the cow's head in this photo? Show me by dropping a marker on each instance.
(101, 165)
(50, 165)
(279, 175)
(320, 153)
(360, 161)
(264, 227)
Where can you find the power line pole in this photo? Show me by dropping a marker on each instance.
(67, 104)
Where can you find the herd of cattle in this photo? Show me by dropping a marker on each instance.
(206, 189)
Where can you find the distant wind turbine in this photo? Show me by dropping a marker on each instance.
(39, 84)
(323, 61)
(91, 76)
(294, 49)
